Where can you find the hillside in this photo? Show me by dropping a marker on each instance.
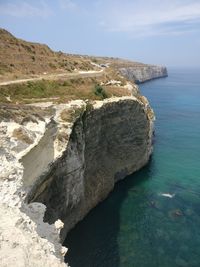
(19, 58)
(32, 72)
(71, 127)
(22, 59)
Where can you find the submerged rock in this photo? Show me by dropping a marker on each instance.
(175, 213)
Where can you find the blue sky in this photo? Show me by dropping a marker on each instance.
(163, 32)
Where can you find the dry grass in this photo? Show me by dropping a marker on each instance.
(21, 135)
(66, 115)
(61, 91)
(150, 114)
(117, 91)
(21, 58)
(22, 114)
(117, 63)
(70, 115)
(62, 136)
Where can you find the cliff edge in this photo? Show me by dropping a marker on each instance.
(66, 139)
(144, 73)
(60, 166)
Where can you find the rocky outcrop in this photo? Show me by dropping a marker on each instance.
(21, 245)
(25, 240)
(107, 143)
(143, 73)
(76, 157)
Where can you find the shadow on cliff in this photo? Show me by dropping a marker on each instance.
(94, 241)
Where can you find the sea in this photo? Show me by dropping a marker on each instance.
(152, 217)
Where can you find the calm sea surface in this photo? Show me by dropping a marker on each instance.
(137, 225)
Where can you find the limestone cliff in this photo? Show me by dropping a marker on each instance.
(66, 163)
(144, 73)
(58, 161)
(25, 240)
(109, 141)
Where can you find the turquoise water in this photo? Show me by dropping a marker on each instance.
(136, 225)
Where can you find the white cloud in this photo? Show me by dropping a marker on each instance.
(151, 17)
(25, 9)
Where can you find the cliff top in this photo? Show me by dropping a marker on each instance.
(32, 72)
(37, 116)
(22, 59)
(19, 58)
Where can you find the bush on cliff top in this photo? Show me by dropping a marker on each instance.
(100, 91)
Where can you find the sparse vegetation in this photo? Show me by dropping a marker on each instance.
(89, 107)
(22, 114)
(100, 91)
(66, 115)
(40, 59)
(21, 135)
(72, 114)
(59, 91)
(150, 113)
(94, 60)
(62, 136)
(37, 58)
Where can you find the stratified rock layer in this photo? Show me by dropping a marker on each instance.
(107, 143)
(71, 164)
(144, 73)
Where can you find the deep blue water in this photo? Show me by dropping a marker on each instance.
(136, 225)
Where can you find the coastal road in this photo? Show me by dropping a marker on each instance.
(80, 74)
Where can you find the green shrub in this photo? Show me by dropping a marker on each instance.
(100, 91)
(89, 107)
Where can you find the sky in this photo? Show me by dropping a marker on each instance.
(165, 32)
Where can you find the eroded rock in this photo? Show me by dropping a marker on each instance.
(143, 74)
(72, 165)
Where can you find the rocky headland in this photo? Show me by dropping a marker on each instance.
(144, 73)
(65, 166)
(60, 157)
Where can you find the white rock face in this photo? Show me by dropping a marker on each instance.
(143, 74)
(71, 164)
(107, 143)
(20, 244)
(25, 240)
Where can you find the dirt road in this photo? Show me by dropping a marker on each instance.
(80, 74)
